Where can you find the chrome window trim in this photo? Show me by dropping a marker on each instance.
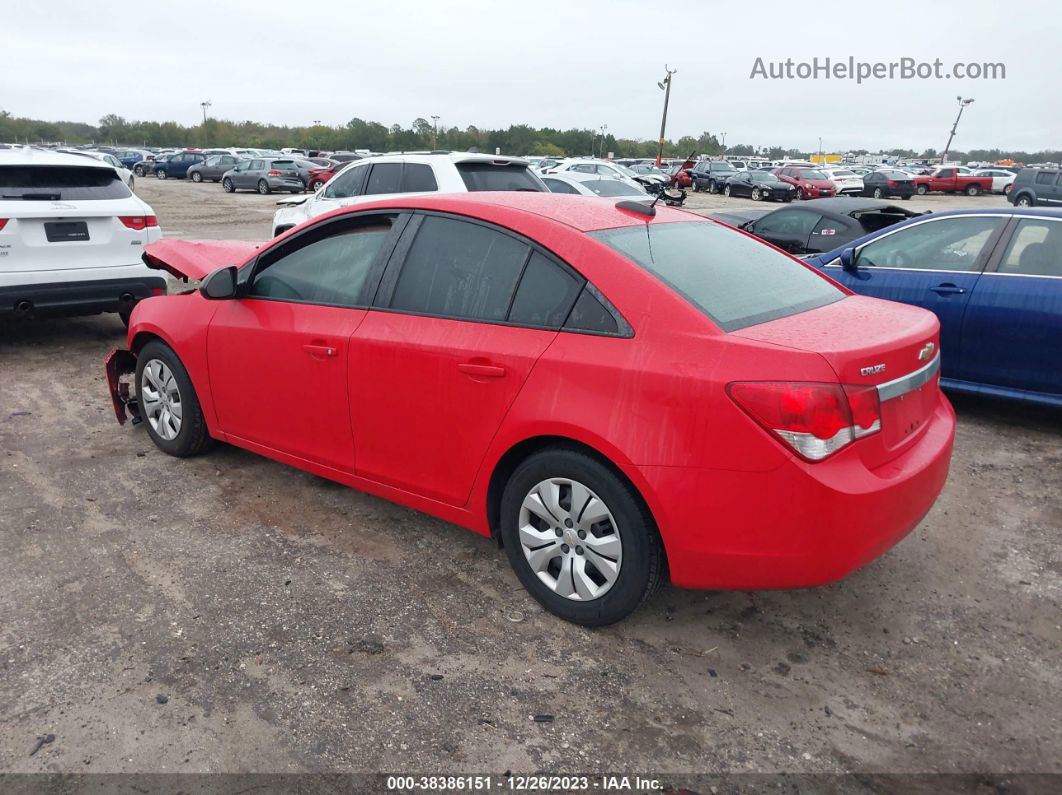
(910, 382)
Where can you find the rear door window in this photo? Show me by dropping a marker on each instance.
(459, 269)
(59, 183)
(418, 178)
(1035, 249)
(488, 176)
(384, 178)
(735, 280)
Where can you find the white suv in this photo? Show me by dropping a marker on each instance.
(380, 177)
(71, 236)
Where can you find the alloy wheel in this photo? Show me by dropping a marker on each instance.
(570, 539)
(160, 399)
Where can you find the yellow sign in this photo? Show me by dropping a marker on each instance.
(817, 158)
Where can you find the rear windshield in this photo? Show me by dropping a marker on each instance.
(55, 183)
(487, 176)
(610, 187)
(736, 280)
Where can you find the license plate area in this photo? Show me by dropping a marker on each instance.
(66, 231)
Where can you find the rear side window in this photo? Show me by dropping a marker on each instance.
(57, 183)
(417, 177)
(460, 270)
(589, 314)
(545, 294)
(487, 176)
(384, 178)
(1035, 249)
(735, 280)
(1045, 177)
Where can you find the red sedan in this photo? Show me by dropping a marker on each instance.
(616, 393)
(810, 184)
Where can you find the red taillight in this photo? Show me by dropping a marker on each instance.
(138, 222)
(814, 419)
(3, 223)
(274, 174)
(892, 183)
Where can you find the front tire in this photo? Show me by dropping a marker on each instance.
(263, 187)
(922, 190)
(168, 404)
(879, 193)
(197, 177)
(726, 191)
(579, 538)
(139, 171)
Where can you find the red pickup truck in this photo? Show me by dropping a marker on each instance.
(947, 179)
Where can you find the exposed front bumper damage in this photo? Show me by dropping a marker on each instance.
(121, 362)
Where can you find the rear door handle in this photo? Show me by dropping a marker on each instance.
(482, 370)
(319, 350)
(948, 289)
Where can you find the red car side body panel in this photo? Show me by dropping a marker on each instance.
(432, 405)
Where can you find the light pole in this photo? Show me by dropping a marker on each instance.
(822, 161)
(602, 139)
(962, 104)
(434, 132)
(665, 86)
(204, 105)
(722, 145)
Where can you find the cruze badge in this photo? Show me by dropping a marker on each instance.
(926, 352)
(872, 370)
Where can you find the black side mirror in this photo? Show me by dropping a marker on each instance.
(219, 285)
(848, 259)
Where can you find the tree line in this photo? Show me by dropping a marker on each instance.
(517, 139)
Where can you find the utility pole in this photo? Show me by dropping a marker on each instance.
(602, 140)
(665, 86)
(822, 160)
(722, 145)
(204, 105)
(962, 104)
(435, 132)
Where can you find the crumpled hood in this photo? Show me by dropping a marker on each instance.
(196, 259)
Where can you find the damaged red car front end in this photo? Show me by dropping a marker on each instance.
(121, 362)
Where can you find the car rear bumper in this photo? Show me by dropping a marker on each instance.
(78, 297)
(798, 525)
(280, 183)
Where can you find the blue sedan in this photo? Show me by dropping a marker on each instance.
(993, 277)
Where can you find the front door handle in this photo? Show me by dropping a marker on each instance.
(319, 350)
(948, 289)
(481, 370)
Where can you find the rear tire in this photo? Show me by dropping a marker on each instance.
(263, 187)
(879, 193)
(973, 190)
(1025, 201)
(922, 190)
(227, 185)
(138, 171)
(622, 539)
(174, 418)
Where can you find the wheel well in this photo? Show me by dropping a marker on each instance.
(141, 339)
(508, 463)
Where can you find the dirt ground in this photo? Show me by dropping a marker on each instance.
(228, 613)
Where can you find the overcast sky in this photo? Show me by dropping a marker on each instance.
(561, 64)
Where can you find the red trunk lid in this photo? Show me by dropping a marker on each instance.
(870, 342)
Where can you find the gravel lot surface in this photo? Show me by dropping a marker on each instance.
(228, 613)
